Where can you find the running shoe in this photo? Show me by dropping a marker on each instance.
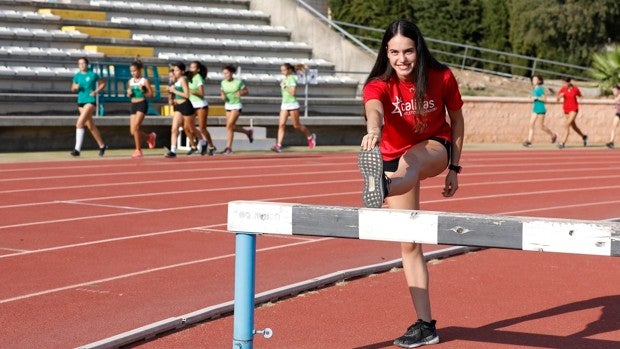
(171, 154)
(585, 140)
(561, 146)
(527, 144)
(554, 138)
(251, 135)
(419, 334)
(312, 141)
(610, 145)
(151, 140)
(227, 151)
(376, 184)
(75, 152)
(136, 154)
(277, 148)
(102, 150)
(192, 151)
(211, 151)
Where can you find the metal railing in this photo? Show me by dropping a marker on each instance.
(469, 57)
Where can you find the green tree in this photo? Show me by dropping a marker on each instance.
(496, 27)
(374, 14)
(606, 68)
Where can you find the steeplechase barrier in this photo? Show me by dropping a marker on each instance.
(248, 218)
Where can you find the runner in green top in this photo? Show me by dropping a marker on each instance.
(198, 73)
(290, 106)
(184, 112)
(538, 111)
(87, 84)
(231, 90)
(139, 89)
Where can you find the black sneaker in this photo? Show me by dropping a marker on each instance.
(610, 145)
(171, 154)
(419, 334)
(561, 146)
(211, 151)
(102, 150)
(75, 152)
(527, 144)
(376, 183)
(192, 151)
(585, 140)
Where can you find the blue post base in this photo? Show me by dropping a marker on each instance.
(245, 266)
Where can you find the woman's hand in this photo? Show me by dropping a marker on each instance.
(452, 184)
(370, 140)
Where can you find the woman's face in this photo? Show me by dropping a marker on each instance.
(193, 68)
(177, 72)
(284, 70)
(82, 65)
(227, 74)
(403, 56)
(535, 80)
(135, 72)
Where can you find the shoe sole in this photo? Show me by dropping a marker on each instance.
(370, 164)
(434, 340)
(154, 141)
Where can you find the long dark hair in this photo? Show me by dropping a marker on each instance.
(382, 70)
(202, 69)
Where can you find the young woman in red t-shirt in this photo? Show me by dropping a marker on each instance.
(406, 97)
(569, 94)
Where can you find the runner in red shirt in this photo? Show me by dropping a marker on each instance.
(408, 99)
(569, 94)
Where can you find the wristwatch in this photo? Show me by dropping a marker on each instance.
(455, 168)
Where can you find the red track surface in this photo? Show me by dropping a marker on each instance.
(93, 248)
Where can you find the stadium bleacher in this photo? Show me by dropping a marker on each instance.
(40, 42)
(39, 35)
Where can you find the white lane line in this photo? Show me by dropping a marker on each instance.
(179, 180)
(148, 271)
(190, 170)
(469, 198)
(527, 193)
(191, 191)
(104, 241)
(549, 208)
(78, 202)
(12, 250)
(261, 160)
(469, 184)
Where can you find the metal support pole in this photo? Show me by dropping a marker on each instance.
(306, 97)
(245, 267)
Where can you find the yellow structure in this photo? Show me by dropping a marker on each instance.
(101, 32)
(214, 110)
(122, 50)
(76, 14)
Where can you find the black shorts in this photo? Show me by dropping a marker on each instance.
(186, 108)
(392, 165)
(81, 105)
(141, 106)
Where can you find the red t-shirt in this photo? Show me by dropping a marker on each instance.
(570, 98)
(404, 125)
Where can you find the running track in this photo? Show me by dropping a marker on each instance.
(90, 248)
